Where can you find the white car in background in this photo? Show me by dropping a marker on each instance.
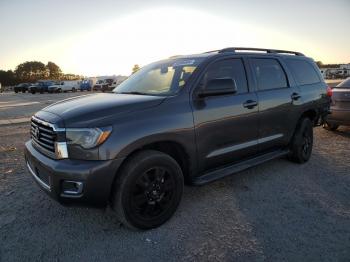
(64, 86)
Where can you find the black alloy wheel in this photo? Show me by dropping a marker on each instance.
(148, 190)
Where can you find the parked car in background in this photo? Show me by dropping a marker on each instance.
(103, 85)
(86, 85)
(193, 118)
(41, 86)
(340, 106)
(23, 87)
(64, 86)
(114, 84)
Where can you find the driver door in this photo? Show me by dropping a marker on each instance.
(226, 126)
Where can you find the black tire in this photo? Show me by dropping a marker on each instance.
(74, 90)
(16, 91)
(148, 190)
(23, 91)
(302, 142)
(331, 127)
(33, 92)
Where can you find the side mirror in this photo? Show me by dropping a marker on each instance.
(219, 86)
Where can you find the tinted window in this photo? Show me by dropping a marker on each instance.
(229, 68)
(269, 74)
(303, 71)
(345, 83)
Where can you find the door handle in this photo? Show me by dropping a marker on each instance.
(250, 104)
(295, 96)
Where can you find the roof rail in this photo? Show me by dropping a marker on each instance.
(271, 51)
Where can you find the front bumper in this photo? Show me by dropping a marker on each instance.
(339, 117)
(93, 178)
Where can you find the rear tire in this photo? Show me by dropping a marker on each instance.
(302, 142)
(74, 90)
(148, 190)
(331, 127)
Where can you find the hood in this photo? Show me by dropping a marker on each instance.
(88, 109)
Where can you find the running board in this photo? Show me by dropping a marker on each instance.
(229, 170)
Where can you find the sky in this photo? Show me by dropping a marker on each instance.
(108, 37)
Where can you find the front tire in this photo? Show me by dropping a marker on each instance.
(302, 142)
(148, 190)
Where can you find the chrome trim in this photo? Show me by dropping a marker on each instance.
(255, 142)
(79, 187)
(61, 150)
(43, 150)
(37, 179)
(53, 126)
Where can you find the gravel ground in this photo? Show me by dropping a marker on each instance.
(9, 103)
(278, 211)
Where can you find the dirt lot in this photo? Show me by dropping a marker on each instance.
(278, 211)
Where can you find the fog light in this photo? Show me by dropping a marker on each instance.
(72, 187)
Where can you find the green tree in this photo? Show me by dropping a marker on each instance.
(135, 68)
(7, 78)
(319, 64)
(31, 71)
(54, 70)
(71, 77)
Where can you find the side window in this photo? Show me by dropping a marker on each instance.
(269, 74)
(303, 71)
(229, 68)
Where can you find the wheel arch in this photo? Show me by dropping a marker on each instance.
(311, 114)
(172, 148)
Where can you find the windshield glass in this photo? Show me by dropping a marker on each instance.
(345, 83)
(160, 78)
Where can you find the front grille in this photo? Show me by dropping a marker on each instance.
(43, 135)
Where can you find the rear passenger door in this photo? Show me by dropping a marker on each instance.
(278, 102)
(226, 126)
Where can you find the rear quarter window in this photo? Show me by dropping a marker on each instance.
(303, 71)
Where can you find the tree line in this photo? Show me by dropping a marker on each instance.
(32, 71)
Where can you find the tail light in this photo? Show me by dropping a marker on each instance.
(329, 91)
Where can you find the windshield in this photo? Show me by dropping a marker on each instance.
(99, 82)
(160, 78)
(345, 83)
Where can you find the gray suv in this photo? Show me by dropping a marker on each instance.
(191, 119)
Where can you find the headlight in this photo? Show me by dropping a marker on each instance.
(87, 137)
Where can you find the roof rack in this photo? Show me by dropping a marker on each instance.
(270, 51)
